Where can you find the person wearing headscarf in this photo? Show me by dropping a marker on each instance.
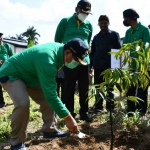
(137, 31)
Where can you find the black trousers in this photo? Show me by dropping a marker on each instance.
(80, 74)
(1, 96)
(99, 101)
(142, 105)
(61, 84)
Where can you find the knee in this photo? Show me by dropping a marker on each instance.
(22, 104)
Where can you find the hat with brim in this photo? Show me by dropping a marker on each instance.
(82, 62)
(87, 12)
(78, 48)
(85, 6)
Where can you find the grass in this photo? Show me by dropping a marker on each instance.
(35, 121)
(124, 124)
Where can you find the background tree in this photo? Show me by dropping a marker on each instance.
(31, 34)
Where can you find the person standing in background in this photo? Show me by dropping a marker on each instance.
(60, 83)
(100, 58)
(5, 53)
(68, 28)
(137, 31)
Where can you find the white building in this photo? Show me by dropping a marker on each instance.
(16, 45)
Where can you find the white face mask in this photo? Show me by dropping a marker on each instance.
(73, 64)
(82, 16)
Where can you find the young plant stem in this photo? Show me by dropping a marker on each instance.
(111, 127)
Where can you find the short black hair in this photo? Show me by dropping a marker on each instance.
(103, 17)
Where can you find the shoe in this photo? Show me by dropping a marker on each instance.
(2, 105)
(85, 117)
(55, 134)
(20, 146)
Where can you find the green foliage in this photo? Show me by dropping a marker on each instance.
(125, 122)
(34, 112)
(4, 127)
(31, 35)
(122, 78)
(136, 56)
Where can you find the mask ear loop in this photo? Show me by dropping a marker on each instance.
(75, 58)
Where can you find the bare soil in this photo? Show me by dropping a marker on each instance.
(98, 138)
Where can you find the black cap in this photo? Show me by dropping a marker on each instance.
(1, 34)
(103, 17)
(78, 48)
(85, 6)
(131, 13)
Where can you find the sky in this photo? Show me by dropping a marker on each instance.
(17, 15)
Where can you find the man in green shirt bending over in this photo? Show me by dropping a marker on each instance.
(32, 72)
(136, 32)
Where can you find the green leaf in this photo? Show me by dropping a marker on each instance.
(122, 105)
(124, 84)
(132, 98)
(118, 87)
(137, 63)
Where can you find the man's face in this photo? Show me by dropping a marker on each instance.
(81, 15)
(69, 56)
(1, 38)
(103, 24)
(127, 21)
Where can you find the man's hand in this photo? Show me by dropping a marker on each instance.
(1, 62)
(71, 123)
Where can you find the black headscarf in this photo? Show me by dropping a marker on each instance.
(131, 13)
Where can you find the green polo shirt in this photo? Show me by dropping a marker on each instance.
(5, 51)
(70, 28)
(36, 66)
(140, 32)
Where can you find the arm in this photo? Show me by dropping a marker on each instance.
(92, 54)
(90, 35)
(47, 76)
(59, 34)
(117, 41)
(10, 53)
(146, 36)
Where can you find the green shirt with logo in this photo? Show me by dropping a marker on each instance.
(5, 51)
(70, 28)
(38, 66)
(140, 32)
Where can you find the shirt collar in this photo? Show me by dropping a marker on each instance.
(136, 28)
(2, 43)
(109, 31)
